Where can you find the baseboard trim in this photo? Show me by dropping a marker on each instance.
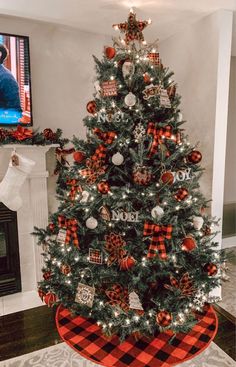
(225, 313)
(228, 242)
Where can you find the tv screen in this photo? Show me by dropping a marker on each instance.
(15, 86)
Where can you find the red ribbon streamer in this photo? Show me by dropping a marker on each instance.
(71, 226)
(108, 138)
(158, 135)
(114, 246)
(93, 171)
(159, 233)
(75, 188)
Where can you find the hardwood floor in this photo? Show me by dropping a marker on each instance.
(26, 331)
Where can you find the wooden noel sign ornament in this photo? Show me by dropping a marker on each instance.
(124, 216)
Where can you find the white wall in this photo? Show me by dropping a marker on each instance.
(62, 71)
(193, 56)
(230, 162)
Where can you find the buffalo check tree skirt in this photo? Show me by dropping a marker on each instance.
(85, 336)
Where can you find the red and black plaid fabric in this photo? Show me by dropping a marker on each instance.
(85, 336)
(185, 285)
(71, 226)
(158, 136)
(118, 297)
(93, 171)
(108, 137)
(159, 233)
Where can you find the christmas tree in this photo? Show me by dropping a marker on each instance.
(132, 245)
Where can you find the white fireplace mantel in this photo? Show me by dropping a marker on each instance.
(34, 211)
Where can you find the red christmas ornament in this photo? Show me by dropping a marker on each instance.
(91, 107)
(164, 318)
(51, 226)
(65, 269)
(50, 299)
(194, 157)
(181, 194)
(146, 78)
(211, 269)
(127, 263)
(41, 293)
(167, 177)
(47, 275)
(103, 187)
(110, 52)
(78, 156)
(188, 244)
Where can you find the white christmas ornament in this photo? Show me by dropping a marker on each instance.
(198, 222)
(130, 99)
(157, 212)
(13, 181)
(117, 159)
(127, 69)
(91, 223)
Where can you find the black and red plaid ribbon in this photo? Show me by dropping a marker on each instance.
(93, 171)
(118, 296)
(114, 246)
(71, 226)
(159, 233)
(159, 134)
(185, 285)
(75, 188)
(108, 138)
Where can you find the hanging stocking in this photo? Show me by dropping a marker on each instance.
(18, 169)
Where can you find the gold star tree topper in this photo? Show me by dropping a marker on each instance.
(132, 28)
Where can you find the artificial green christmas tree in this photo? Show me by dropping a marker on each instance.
(131, 244)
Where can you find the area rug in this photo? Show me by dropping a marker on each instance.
(85, 336)
(61, 355)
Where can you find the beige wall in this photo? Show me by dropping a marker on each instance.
(193, 56)
(230, 162)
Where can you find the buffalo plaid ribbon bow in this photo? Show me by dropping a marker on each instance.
(158, 136)
(75, 188)
(118, 297)
(185, 285)
(159, 233)
(114, 246)
(71, 226)
(93, 171)
(108, 138)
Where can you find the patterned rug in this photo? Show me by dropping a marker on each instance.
(85, 336)
(61, 355)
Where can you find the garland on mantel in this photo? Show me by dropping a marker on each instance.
(25, 136)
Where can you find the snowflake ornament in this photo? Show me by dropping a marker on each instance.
(139, 132)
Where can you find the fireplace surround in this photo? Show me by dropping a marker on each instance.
(34, 212)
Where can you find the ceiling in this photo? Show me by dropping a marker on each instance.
(168, 16)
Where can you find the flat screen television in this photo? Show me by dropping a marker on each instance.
(15, 83)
